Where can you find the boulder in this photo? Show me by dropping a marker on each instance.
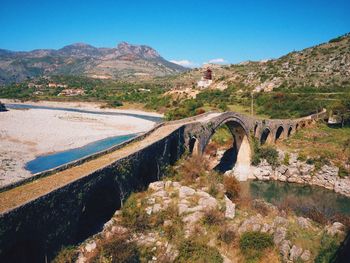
(303, 222)
(285, 249)
(306, 255)
(295, 253)
(335, 228)
(89, 247)
(186, 191)
(279, 235)
(230, 208)
(156, 186)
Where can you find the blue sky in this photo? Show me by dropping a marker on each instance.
(189, 31)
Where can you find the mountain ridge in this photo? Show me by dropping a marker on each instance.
(123, 61)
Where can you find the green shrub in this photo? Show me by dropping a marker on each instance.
(302, 157)
(253, 243)
(118, 249)
(191, 251)
(328, 249)
(66, 255)
(343, 172)
(286, 159)
(133, 215)
(270, 154)
(232, 187)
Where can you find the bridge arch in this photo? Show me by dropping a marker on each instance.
(290, 130)
(279, 133)
(265, 136)
(241, 145)
(194, 145)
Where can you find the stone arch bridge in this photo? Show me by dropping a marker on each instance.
(65, 205)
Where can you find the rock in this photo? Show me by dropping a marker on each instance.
(336, 228)
(151, 201)
(303, 222)
(183, 208)
(168, 223)
(306, 255)
(160, 193)
(186, 191)
(193, 218)
(230, 208)
(261, 204)
(285, 249)
(208, 203)
(156, 186)
(90, 246)
(280, 221)
(202, 194)
(157, 208)
(295, 252)
(279, 235)
(251, 223)
(265, 228)
(148, 210)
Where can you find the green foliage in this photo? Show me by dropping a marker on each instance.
(268, 152)
(286, 159)
(253, 243)
(66, 255)
(118, 249)
(133, 215)
(302, 157)
(343, 172)
(191, 251)
(329, 246)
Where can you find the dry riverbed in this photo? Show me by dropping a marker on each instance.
(26, 134)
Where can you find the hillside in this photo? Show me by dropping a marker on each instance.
(323, 66)
(125, 61)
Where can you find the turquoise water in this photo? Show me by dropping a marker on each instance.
(299, 197)
(46, 162)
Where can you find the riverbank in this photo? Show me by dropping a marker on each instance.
(28, 133)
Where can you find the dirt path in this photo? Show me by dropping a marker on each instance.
(25, 193)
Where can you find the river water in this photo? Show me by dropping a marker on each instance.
(50, 161)
(299, 197)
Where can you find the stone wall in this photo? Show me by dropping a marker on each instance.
(35, 231)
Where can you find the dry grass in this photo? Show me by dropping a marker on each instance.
(232, 187)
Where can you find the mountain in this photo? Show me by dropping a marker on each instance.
(323, 66)
(126, 61)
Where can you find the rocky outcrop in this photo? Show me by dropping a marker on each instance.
(301, 172)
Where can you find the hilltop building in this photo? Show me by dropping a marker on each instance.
(206, 79)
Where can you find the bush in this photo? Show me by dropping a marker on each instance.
(328, 249)
(118, 249)
(302, 157)
(269, 153)
(66, 255)
(232, 187)
(213, 217)
(252, 244)
(343, 172)
(191, 251)
(192, 168)
(286, 159)
(226, 235)
(133, 215)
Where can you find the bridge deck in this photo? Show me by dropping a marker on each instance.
(25, 193)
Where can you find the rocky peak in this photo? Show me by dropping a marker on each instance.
(142, 51)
